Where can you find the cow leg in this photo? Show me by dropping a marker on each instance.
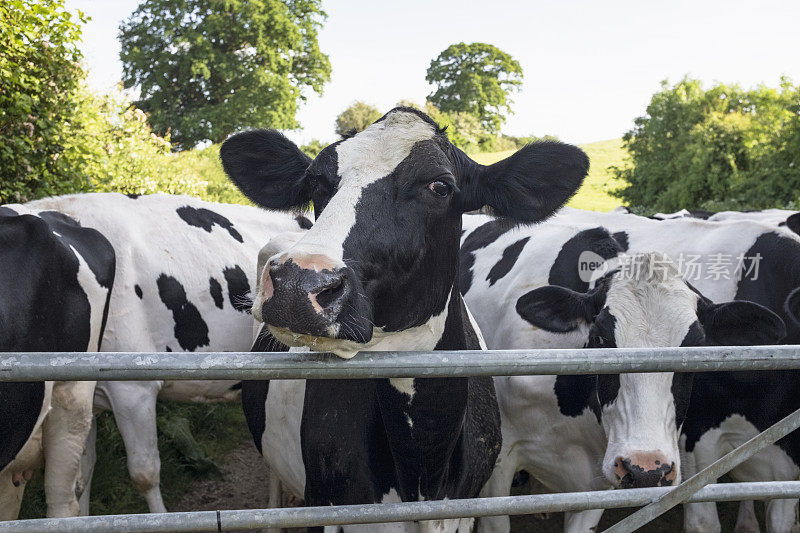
(10, 496)
(275, 498)
(771, 464)
(700, 517)
(746, 521)
(65, 431)
(583, 521)
(134, 406)
(88, 461)
(781, 517)
(499, 484)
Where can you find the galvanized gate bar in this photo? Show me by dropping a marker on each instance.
(282, 365)
(393, 512)
(711, 473)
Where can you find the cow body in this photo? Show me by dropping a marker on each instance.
(515, 279)
(184, 274)
(55, 283)
(770, 217)
(715, 422)
(379, 271)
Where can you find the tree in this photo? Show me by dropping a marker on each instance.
(313, 148)
(40, 75)
(206, 68)
(719, 148)
(477, 79)
(356, 118)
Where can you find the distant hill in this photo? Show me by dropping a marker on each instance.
(204, 165)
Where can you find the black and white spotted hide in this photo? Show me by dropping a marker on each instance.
(379, 271)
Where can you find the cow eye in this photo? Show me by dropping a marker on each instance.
(440, 188)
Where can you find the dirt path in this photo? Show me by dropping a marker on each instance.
(245, 485)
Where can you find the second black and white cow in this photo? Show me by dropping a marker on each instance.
(184, 273)
(739, 259)
(534, 287)
(55, 283)
(379, 271)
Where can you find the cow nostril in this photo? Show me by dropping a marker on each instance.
(627, 481)
(331, 293)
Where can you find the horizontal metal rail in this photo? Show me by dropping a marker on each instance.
(282, 365)
(395, 512)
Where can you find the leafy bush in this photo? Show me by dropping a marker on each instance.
(117, 151)
(356, 118)
(721, 148)
(40, 75)
(203, 167)
(313, 148)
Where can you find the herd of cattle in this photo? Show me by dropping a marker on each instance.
(397, 260)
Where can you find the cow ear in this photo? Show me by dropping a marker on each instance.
(740, 323)
(528, 186)
(556, 309)
(793, 223)
(268, 168)
(792, 306)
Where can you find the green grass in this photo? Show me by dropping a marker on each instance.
(218, 428)
(594, 194)
(205, 165)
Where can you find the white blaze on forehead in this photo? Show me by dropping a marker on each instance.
(362, 160)
(652, 304)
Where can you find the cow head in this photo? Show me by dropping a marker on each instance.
(646, 304)
(382, 256)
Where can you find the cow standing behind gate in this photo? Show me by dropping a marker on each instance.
(55, 283)
(184, 273)
(379, 270)
(739, 259)
(531, 287)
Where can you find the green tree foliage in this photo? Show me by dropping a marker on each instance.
(476, 79)
(466, 131)
(721, 148)
(209, 67)
(40, 75)
(313, 148)
(356, 118)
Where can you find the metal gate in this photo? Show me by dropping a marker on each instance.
(281, 365)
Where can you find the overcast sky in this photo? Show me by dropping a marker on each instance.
(590, 67)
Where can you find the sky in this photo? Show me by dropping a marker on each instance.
(590, 66)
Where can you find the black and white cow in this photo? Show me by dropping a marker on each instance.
(743, 403)
(55, 282)
(771, 217)
(683, 213)
(531, 287)
(379, 271)
(184, 273)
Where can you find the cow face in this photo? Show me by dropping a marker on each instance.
(382, 256)
(646, 304)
